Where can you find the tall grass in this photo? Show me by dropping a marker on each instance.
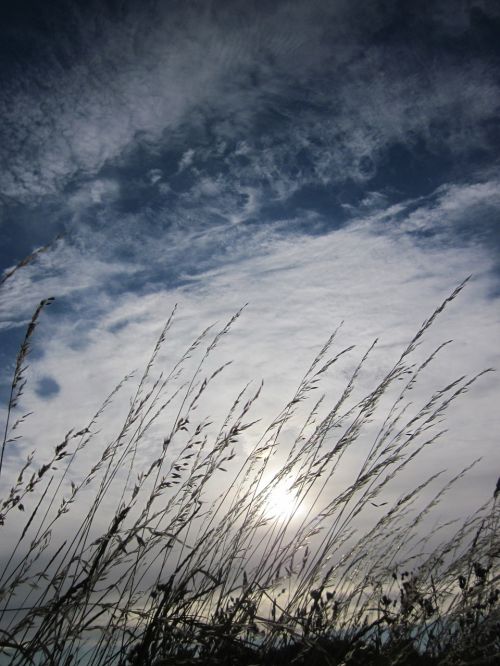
(193, 565)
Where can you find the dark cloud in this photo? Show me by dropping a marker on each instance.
(47, 388)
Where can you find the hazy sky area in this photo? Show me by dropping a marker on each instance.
(320, 160)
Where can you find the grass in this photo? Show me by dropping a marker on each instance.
(192, 566)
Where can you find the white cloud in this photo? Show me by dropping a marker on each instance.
(186, 160)
(63, 272)
(155, 175)
(96, 191)
(453, 211)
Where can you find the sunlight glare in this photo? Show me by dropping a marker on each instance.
(281, 503)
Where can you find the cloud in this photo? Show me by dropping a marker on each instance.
(218, 223)
(455, 205)
(46, 388)
(96, 191)
(186, 160)
(65, 272)
(145, 79)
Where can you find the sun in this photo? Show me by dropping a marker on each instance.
(282, 503)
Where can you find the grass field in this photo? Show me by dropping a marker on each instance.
(241, 542)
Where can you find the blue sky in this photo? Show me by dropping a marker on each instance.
(320, 160)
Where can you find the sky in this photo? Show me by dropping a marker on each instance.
(322, 161)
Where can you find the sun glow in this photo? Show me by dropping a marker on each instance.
(282, 503)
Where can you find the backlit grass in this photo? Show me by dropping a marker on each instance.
(239, 543)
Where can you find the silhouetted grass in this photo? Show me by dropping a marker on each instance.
(194, 568)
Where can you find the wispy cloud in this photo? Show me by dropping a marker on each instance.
(145, 78)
